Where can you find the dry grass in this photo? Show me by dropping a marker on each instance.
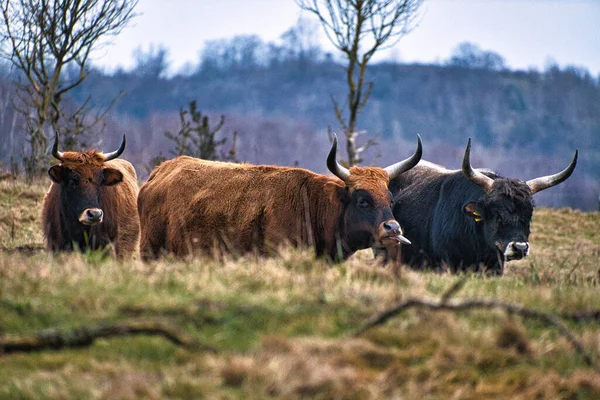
(20, 212)
(282, 325)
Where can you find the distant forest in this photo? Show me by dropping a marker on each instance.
(277, 96)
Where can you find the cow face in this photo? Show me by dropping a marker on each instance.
(504, 217)
(82, 177)
(80, 190)
(506, 208)
(368, 218)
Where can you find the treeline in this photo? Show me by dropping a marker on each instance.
(277, 96)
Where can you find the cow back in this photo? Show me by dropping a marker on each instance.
(190, 206)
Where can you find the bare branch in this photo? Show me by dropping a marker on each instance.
(366, 145)
(47, 36)
(338, 113)
(83, 74)
(472, 304)
(366, 96)
(452, 290)
(584, 316)
(360, 28)
(86, 336)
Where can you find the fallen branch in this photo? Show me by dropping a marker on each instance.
(445, 304)
(583, 316)
(86, 336)
(452, 290)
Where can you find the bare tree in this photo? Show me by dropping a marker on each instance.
(197, 138)
(360, 28)
(50, 42)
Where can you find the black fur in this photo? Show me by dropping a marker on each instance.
(429, 204)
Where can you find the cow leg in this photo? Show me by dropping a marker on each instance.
(495, 268)
(127, 244)
(150, 249)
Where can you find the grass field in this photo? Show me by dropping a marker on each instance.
(283, 328)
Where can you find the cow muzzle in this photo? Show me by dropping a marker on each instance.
(516, 250)
(91, 216)
(390, 234)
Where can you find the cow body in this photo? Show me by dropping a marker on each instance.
(190, 206)
(465, 219)
(91, 203)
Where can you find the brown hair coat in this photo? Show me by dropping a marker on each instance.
(191, 206)
(86, 173)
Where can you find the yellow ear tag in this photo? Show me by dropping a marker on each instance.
(477, 216)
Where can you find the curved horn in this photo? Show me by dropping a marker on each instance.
(481, 180)
(57, 154)
(115, 154)
(332, 164)
(544, 182)
(396, 169)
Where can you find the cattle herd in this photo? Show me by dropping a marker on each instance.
(412, 212)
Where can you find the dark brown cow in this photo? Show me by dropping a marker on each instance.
(91, 202)
(190, 206)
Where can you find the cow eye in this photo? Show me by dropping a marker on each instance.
(364, 203)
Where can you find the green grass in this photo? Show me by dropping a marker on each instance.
(283, 326)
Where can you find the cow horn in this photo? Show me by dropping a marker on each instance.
(481, 180)
(57, 154)
(544, 182)
(396, 169)
(335, 167)
(115, 154)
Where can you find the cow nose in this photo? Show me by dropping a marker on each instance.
(91, 216)
(391, 233)
(521, 246)
(391, 227)
(94, 214)
(516, 250)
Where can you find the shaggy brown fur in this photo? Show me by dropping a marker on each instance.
(84, 174)
(190, 205)
(374, 180)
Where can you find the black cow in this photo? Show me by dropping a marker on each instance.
(465, 219)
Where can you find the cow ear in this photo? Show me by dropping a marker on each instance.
(56, 173)
(471, 209)
(112, 176)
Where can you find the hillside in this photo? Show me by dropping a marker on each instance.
(523, 124)
(282, 327)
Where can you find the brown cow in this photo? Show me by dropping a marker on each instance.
(191, 206)
(91, 202)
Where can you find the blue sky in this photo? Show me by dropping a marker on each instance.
(527, 33)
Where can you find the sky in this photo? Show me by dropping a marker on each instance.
(527, 33)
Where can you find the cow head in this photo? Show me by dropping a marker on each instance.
(505, 209)
(81, 177)
(368, 218)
